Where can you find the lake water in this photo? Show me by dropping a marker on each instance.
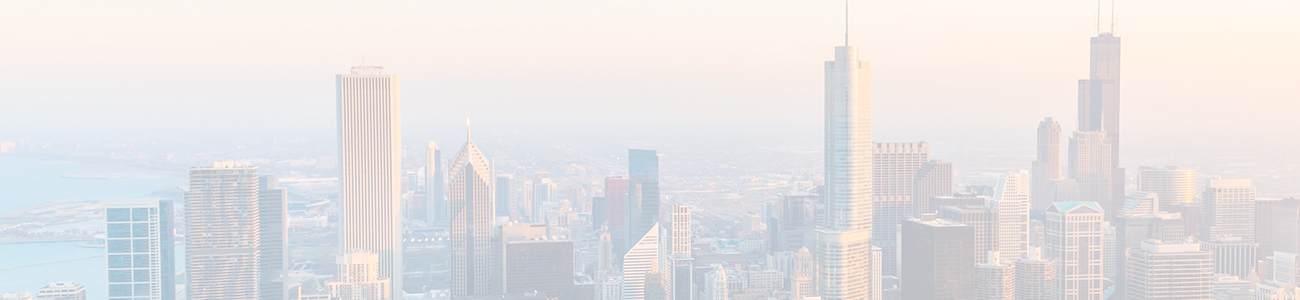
(25, 183)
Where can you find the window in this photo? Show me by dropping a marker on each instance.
(119, 246)
(141, 275)
(119, 230)
(140, 230)
(140, 214)
(119, 275)
(142, 289)
(141, 260)
(119, 290)
(119, 261)
(119, 214)
(141, 245)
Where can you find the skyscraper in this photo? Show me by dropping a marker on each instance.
(503, 195)
(1090, 167)
(616, 212)
(844, 235)
(934, 179)
(994, 280)
(677, 250)
(643, 173)
(1160, 270)
(370, 167)
(1047, 166)
(470, 202)
(1099, 96)
(435, 188)
(544, 265)
(894, 170)
(1172, 184)
(1074, 240)
(358, 278)
(1232, 256)
(1036, 277)
(1228, 209)
(638, 260)
(1011, 202)
(141, 259)
(273, 246)
(222, 218)
(939, 259)
(983, 221)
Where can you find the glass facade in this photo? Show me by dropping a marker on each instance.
(140, 260)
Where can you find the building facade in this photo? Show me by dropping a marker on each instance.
(470, 200)
(1160, 270)
(370, 166)
(1047, 166)
(141, 259)
(223, 222)
(1228, 209)
(939, 259)
(844, 236)
(1074, 240)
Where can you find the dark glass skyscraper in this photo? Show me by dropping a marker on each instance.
(643, 171)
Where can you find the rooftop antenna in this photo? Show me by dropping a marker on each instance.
(467, 132)
(363, 57)
(846, 23)
(1112, 18)
(1098, 22)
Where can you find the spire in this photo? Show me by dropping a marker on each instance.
(467, 132)
(846, 23)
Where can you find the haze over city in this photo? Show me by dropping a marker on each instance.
(718, 139)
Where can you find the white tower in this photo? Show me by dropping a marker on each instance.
(370, 167)
(844, 236)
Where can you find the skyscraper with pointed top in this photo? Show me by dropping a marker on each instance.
(470, 209)
(844, 236)
(370, 167)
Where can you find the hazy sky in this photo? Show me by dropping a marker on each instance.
(945, 70)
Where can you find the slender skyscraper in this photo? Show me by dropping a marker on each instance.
(1011, 201)
(141, 259)
(471, 222)
(1074, 240)
(894, 169)
(273, 211)
(940, 260)
(1048, 165)
(370, 167)
(1099, 94)
(434, 188)
(643, 172)
(221, 248)
(844, 235)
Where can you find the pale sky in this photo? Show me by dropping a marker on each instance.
(1193, 71)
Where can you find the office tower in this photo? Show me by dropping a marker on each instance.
(1047, 166)
(676, 247)
(503, 195)
(933, 179)
(611, 288)
(370, 166)
(1171, 183)
(1061, 190)
(435, 189)
(62, 291)
(894, 171)
(141, 260)
(680, 238)
(683, 278)
(1228, 209)
(1286, 226)
(982, 220)
(1011, 203)
(544, 193)
(1160, 270)
(844, 235)
(1090, 167)
(1232, 256)
(616, 212)
(1074, 234)
(715, 285)
(539, 264)
(221, 248)
(605, 258)
(470, 181)
(1265, 209)
(939, 258)
(598, 210)
(1228, 287)
(1036, 277)
(1140, 203)
(994, 280)
(358, 278)
(643, 173)
(1099, 94)
(637, 262)
(1286, 268)
(1108, 251)
(654, 284)
(803, 274)
(1191, 212)
(1133, 229)
(273, 245)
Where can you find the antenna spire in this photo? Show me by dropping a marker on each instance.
(846, 23)
(467, 131)
(1098, 22)
(1112, 17)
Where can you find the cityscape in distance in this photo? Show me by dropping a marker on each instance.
(674, 150)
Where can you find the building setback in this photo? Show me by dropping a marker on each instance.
(1160, 270)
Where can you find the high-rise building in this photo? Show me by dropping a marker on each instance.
(1286, 226)
(1286, 267)
(1265, 209)
(643, 174)
(844, 235)
(605, 258)
(638, 260)
(803, 274)
(435, 188)
(1228, 209)
(273, 246)
(357, 278)
(141, 259)
(994, 280)
(470, 181)
(933, 179)
(676, 248)
(222, 219)
(543, 265)
(894, 170)
(682, 279)
(939, 258)
(544, 193)
(1232, 256)
(983, 221)
(1036, 277)
(370, 167)
(1074, 240)
(1099, 94)
(715, 285)
(503, 195)
(1133, 229)
(1011, 204)
(1091, 168)
(1172, 184)
(64, 291)
(616, 212)
(1160, 270)
(1140, 203)
(1047, 166)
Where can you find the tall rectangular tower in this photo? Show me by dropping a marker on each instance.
(1074, 240)
(273, 214)
(435, 192)
(643, 172)
(844, 235)
(1099, 94)
(1090, 167)
(141, 260)
(1228, 209)
(894, 169)
(471, 212)
(1047, 166)
(1160, 270)
(939, 257)
(1011, 201)
(222, 216)
(370, 171)
(934, 179)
